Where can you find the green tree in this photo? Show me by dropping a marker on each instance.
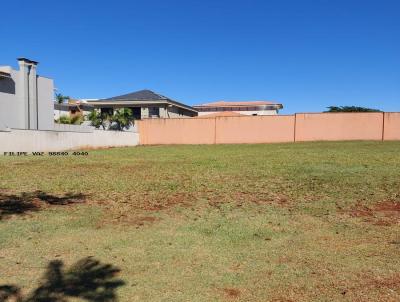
(350, 109)
(122, 119)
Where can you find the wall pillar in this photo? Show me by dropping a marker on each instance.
(144, 112)
(163, 112)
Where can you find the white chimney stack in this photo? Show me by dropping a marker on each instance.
(28, 91)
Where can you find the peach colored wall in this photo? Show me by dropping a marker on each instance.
(176, 131)
(255, 129)
(392, 126)
(270, 129)
(339, 126)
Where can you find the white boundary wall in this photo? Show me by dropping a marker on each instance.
(73, 128)
(45, 141)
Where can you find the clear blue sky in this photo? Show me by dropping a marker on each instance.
(307, 54)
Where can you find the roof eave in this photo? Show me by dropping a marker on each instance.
(110, 102)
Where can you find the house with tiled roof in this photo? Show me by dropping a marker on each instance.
(224, 108)
(145, 104)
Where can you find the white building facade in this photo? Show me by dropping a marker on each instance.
(26, 99)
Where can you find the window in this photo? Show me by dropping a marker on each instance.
(154, 112)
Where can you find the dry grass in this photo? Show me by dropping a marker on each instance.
(284, 222)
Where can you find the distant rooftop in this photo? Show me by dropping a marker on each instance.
(220, 114)
(240, 104)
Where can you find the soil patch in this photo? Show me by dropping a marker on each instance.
(156, 204)
(232, 293)
(137, 221)
(387, 284)
(384, 213)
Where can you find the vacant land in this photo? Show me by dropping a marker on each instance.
(284, 222)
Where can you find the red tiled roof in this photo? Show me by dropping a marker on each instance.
(238, 104)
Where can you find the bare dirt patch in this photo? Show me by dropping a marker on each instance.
(232, 293)
(391, 207)
(141, 221)
(128, 220)
(385, 213)
(165, 202)
(388, 287)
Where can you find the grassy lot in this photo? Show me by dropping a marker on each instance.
(281, 222)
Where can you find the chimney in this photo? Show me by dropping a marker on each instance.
(28, 91)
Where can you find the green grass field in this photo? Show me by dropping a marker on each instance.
(279, 222)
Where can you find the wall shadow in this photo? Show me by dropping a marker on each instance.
(12, 204)
(87, 279)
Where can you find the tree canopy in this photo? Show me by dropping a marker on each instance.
(350, 109)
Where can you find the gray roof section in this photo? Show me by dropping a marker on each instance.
(145, 95)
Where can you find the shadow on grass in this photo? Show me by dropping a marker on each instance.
(11, 204)
(87, 279)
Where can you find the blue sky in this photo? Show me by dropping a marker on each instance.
(307, 54)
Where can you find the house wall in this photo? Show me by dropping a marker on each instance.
(17, 109)
(11, 103)
(168, 112)
(271, 129)
(176, 112)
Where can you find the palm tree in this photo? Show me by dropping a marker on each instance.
(60, 98)
(122, 118)
(98, 119)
